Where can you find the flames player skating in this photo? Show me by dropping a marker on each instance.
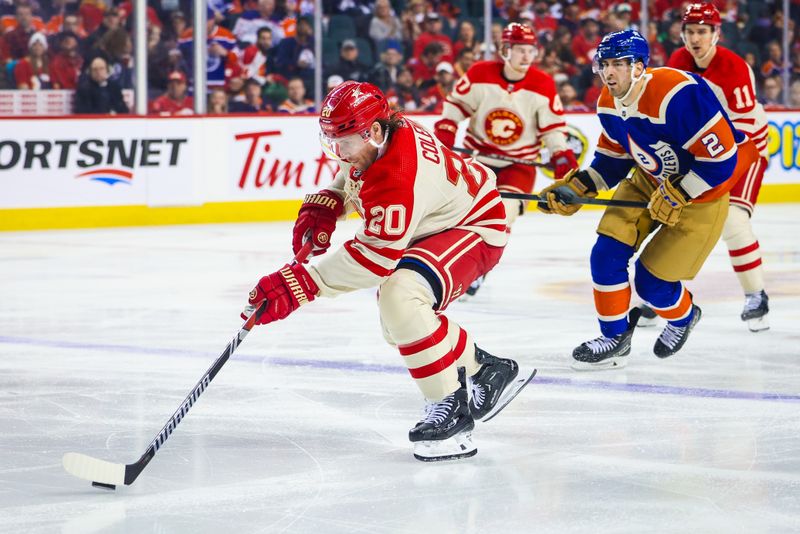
(667, 128)
(512, 108)
(433, 223)
(733, 82)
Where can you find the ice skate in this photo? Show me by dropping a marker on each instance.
(445, 432)
(672, 338)
(495, 385)
(473, 288)
(756, 311)
(606, 352)
(648, 318)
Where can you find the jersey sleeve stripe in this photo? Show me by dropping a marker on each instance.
(464, 111)
(365, 262)
(545, 129)
(381, 250)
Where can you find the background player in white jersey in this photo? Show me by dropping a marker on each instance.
(668, 127)
(433, 222)
(734, 84)
(512, 107)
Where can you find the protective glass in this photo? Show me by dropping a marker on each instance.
(342, 148)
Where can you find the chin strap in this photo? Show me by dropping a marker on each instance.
(634, 80)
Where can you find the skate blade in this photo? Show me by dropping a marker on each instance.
(759, 324)
(458, 446)
(617, 362)
(645, 322)
(511, 391)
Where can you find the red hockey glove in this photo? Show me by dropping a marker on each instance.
(563, 161)
(317, 218)
(284, 291)
(445, 131)
(668, 200)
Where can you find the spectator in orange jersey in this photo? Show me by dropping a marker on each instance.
(66, 65)
(297, 101)
(33, 71)
(175, 101)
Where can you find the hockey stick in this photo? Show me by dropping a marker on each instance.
(108, 475)
(475, 153)
(580, 200)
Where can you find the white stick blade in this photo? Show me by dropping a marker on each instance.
(94, 470)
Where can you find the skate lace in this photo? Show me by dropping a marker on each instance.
(752, 301)
(671, 335)
(601, 344)
(477, 393)
(436, 412)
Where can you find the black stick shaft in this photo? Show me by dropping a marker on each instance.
(132, 470)
(501, 157)
(580, 200)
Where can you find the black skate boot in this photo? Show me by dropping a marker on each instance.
(672, 338)
(494, 385)
(606, 352)
(475, 286)
(445, 433)
(756, 310)
(649, 317)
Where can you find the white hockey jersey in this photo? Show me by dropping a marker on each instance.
(417, 188)
(509, 118)
(733, 82)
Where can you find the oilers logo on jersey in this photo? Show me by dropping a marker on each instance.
(661, 163)
(503, 126)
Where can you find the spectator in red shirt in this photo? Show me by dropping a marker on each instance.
(17, 39)
(66, 65)
(432, 33)
(465, 38)
(585, 43)
(33, 71)
(404, 96)
(433, 100)
(424, 69)
(175, 101)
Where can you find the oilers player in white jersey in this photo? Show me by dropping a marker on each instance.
(433, 222)
(512, 108)
(668, 127)
(733, 82)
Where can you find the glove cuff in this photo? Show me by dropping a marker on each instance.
(582, 182)
(325, 199)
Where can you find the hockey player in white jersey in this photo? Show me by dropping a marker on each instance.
(433, 222)
(512, 108)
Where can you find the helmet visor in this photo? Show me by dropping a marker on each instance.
(342, 148)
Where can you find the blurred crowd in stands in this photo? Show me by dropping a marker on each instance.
(261, 52)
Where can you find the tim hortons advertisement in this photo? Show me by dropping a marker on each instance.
(95, 163)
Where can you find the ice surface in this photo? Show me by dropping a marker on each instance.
(103, 333)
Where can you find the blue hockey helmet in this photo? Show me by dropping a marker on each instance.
(623, 44)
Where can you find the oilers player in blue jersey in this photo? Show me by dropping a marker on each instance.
(665, 141)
